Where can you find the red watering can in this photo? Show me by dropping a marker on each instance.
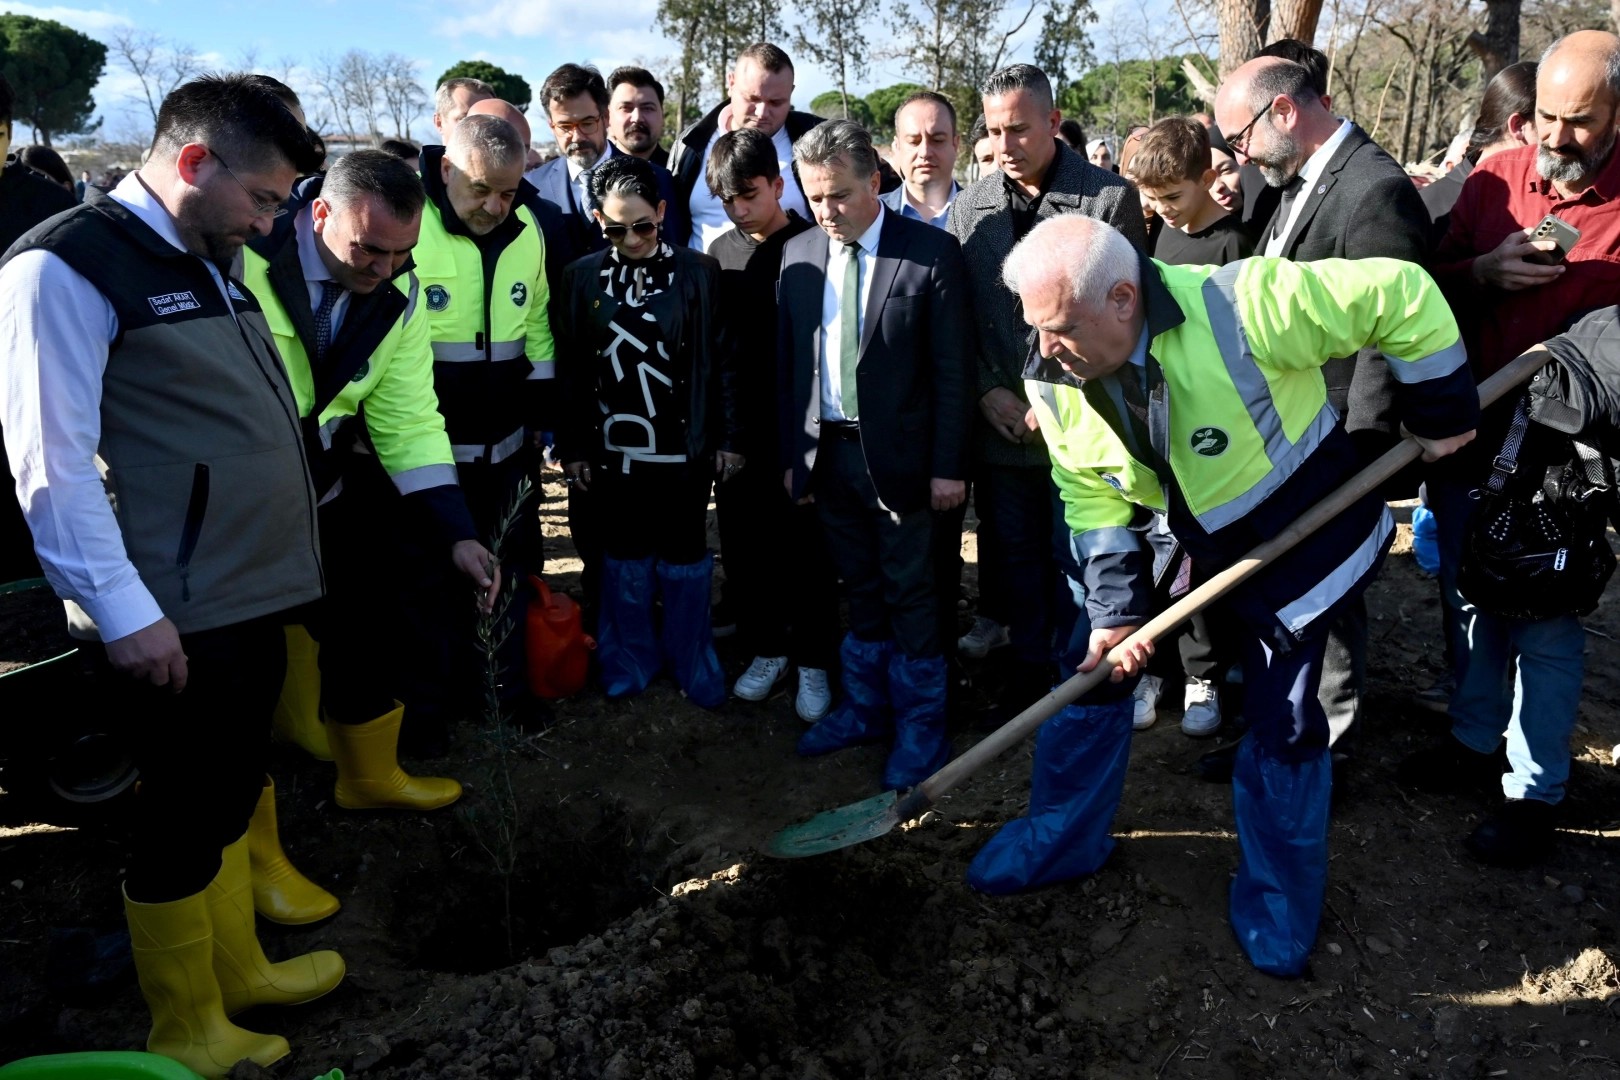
(558, 648)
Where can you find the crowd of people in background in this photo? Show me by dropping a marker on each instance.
(322, 391)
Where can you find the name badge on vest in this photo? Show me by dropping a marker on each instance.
(172, 303)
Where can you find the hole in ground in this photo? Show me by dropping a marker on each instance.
(575, 871)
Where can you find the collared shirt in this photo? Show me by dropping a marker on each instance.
(911, 210)
(1505, 194)
(55, 333)
(315, 273)
(1307, 175)
(708, 213)
(1023, 205)
(832, 325)
(578, 177)
(1135, 367)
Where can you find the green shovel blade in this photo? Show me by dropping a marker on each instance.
(840, 828)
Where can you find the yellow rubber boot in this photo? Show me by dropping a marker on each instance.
(280, 893)
(298, 712)
(246, 976)
(173, 946)
(368, 772)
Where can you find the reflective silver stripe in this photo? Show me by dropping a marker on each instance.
(1434, 366)
(542, 369)
(424, 477)
(329, 429)
(492, 455)
(1220, 301)
(1285, 455)
(411, 296)
(456, 351)
(1331, 589)
(461, 352)
(507, 350)
(1107, 541)
(1321, 426)
(332, 492)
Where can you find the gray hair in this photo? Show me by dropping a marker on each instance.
(444, 98)
(1284, 78)
(1091, 256)
(488, 139)
(838, 142)
(1016, 77)
(377, 174)
(1611, 64)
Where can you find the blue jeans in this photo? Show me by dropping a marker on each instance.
(1523, 678)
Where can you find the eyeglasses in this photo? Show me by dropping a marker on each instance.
(259, 209)
(616, 232)
(1240, 141)
(586, 126)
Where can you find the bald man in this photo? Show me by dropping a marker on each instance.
(1517, 292)
(1343, 197)
(1171, 388)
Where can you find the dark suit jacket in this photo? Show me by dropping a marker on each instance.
(913, 372)
(1362, 206)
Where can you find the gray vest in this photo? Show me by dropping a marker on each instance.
(200, 441)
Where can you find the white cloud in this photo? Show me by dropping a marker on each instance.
(90, 22)
(511, 18)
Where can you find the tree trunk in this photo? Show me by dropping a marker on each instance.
(1295, 19)
(1498, 46)
(1243, 30)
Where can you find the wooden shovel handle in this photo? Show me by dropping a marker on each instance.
(1365, 481)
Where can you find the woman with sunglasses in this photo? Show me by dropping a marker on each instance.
(649, 423)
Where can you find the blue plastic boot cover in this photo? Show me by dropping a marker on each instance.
(688, 634)
(917, 693)
(862, 714)
(1080, 760)
(626, 644)
(1282, 818)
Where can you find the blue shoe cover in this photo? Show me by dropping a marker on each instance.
(1282, 818)
(862, 714)
(688, 634)
(626, 644)
(917, 693)
(1080, 760)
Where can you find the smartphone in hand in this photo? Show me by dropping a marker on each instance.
(1565, 235)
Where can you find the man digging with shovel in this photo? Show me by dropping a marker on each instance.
(1197, 392)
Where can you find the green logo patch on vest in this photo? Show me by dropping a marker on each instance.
(360, 376)
(520, 293)
(438, 297)
(1209, 441)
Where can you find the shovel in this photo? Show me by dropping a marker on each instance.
(872, 818)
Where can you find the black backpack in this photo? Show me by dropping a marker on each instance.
(1536, 547)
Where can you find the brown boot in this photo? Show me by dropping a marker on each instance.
(369, 776)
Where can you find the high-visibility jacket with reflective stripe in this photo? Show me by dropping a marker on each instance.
(486, 300)
(395, 385)
(1236, 404)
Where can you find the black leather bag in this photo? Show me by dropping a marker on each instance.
(1536, 547)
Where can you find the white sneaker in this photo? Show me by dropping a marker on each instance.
(986, 634)
(1201, 712)
(761, 678)
(815, 696)
(1145, 701)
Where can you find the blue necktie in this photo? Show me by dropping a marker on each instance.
(330, 291)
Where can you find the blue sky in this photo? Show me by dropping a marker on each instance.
(530, 37)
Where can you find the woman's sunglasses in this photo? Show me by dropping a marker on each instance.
(616, 232)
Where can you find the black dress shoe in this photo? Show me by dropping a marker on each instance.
(1520, 833)
(1450, 768)
(1216, 766)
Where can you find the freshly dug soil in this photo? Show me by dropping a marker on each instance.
(597, 906)
(32, 628)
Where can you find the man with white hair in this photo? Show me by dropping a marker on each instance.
(454, 99)
(1197, 392)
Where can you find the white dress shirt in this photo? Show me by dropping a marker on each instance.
(1307, 174)
(832, 324)
(708, 214)
(315, 273)
(55, 331)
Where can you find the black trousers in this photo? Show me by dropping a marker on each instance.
(886, 559)
(201, 754)
(656, 510)
(780, 579)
